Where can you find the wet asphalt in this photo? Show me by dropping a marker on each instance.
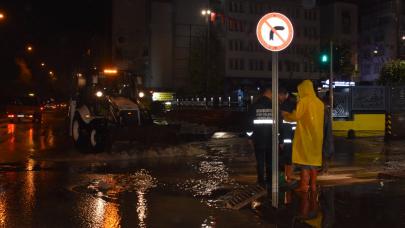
(46, 182)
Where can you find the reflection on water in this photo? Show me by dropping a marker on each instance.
(31, 137)
(10, 128)
(29, 190)
(141, 208)
(47, 139)
(3, 209)
(99, 213)
(213, 175)
(112, 217)
(11, 132)
(101, 208)
(209, 222)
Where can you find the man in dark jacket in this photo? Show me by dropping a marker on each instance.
(260, 125)
(288, 103)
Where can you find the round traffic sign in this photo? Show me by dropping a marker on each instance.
(274, 31)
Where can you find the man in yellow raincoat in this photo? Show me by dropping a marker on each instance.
(308, 137)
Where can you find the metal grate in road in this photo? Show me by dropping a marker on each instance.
(239, 198)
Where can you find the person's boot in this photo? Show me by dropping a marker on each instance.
(288, 197)
(304, 205)
(288, 171)
(313, 174)
(304, 182)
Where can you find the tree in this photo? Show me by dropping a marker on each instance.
(206, 72)
(393, 72)
(343, 62)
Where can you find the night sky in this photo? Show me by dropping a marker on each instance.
(60, 32)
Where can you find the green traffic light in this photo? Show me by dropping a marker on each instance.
(324, 58)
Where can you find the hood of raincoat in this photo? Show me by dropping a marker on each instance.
(306, 88)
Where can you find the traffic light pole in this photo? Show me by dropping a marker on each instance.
(331, 82)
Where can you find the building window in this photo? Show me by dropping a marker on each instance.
(242, 64)
(261, 65)
(241, 45)
(251, 64)
(230, 45)
(376, 68)
(241, 10)
(346, 22)
(250, 46)
(231, 66)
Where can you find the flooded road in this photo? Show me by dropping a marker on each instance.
(46, 182)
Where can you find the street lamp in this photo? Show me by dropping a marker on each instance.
(42, 64)
(207, 14)
(403, 37)
(2, 16)
(51, 73)
(29, 48)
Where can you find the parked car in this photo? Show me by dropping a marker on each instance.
(24, 107)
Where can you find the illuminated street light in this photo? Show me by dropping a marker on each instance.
(29, 48)
(50, 72)
(206, 12)
(403, 38)
(375, 51)
(2, 16)
(42, 64)
(110, 71)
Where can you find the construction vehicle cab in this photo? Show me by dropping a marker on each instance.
(103, 104)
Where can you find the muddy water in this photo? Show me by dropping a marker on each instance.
(45, 182)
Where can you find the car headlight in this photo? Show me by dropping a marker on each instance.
(99, 94)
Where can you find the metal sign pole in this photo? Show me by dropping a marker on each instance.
(274, 160)
(271, 29)
(331, 83)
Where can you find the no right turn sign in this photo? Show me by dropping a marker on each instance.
(274, 31)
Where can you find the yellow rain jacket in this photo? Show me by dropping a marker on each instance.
(308, 137)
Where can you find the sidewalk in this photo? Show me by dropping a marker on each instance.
(358, 161)
(364, 187)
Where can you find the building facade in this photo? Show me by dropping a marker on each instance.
(151, 38)
(154, 38)
(339, 24)
(381, 31)
(248, 63)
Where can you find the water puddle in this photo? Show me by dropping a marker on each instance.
(109, 187)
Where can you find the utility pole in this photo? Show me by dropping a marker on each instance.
(331, 82)
(398, 27)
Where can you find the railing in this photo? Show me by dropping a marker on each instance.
(212, 103)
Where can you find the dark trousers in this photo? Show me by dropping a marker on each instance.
(263, 165)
